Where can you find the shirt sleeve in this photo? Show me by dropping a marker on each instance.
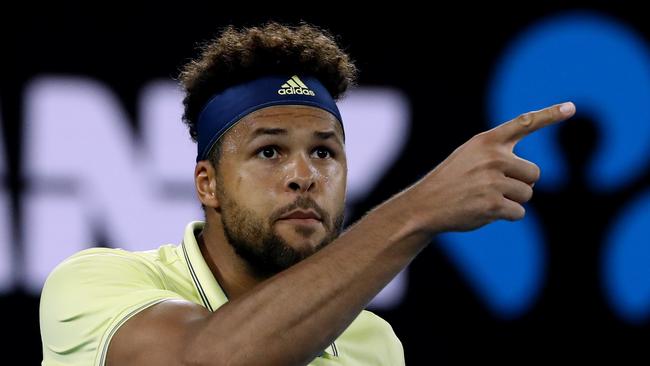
(88, 297)
(388, 344)
(394, 348)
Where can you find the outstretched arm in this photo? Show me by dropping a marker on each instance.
(290, 318)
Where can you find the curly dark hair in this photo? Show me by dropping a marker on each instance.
(236, 56)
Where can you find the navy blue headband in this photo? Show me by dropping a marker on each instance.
(227, 108)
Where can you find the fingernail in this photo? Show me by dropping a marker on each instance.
(567, 108)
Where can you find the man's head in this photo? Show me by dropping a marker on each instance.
(276, 160)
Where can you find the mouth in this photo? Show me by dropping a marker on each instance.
(307, 221)
(302, 217)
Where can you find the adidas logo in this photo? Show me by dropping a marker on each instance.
(295, 86)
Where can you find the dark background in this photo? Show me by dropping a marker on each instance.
(442, 59)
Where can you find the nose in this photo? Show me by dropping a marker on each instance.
(301, 175)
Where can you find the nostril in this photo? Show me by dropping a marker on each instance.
(294, 186)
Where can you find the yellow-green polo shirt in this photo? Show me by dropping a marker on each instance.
(92, 293)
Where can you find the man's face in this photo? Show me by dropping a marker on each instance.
(273, 162)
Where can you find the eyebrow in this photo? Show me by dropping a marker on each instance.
(324, 135)
(267, 131)
(321, 135)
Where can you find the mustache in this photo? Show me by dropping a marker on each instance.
(304, 203)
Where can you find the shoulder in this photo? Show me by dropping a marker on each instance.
(89, 295)
(95, 265)
(377, 334)
(97, 278)
(369, 321)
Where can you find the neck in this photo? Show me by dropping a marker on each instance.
(233, 273)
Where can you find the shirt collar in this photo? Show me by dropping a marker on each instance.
(206, 285)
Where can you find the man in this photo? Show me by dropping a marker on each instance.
(268, 278)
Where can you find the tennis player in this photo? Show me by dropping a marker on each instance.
(269, 277)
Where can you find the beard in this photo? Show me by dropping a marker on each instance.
(256, 242)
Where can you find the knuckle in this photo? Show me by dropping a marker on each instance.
(493, 206)
(522, 212)
(526, 119)
(483, 138)
(495, 183)
(490, 180)
(495, 161)
(517, 212)
(537, 172)
(529, 193)
(523, 194)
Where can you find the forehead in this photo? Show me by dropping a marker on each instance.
(289, 117)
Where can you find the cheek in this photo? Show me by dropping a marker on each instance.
(334, 178)
(256, 187)
(334, 186)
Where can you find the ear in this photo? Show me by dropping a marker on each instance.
(205, 182)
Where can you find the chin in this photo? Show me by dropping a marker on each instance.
(303, 245)
(289, 230)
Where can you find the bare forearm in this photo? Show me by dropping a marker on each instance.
(290, 318)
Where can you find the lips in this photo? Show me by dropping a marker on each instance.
(302, 215)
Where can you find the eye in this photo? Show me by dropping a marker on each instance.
(323, 152)
(267, 152)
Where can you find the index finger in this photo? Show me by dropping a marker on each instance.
(527, 123)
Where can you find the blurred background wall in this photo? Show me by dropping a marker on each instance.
(93, 153)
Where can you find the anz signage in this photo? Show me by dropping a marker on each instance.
(90, 177)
